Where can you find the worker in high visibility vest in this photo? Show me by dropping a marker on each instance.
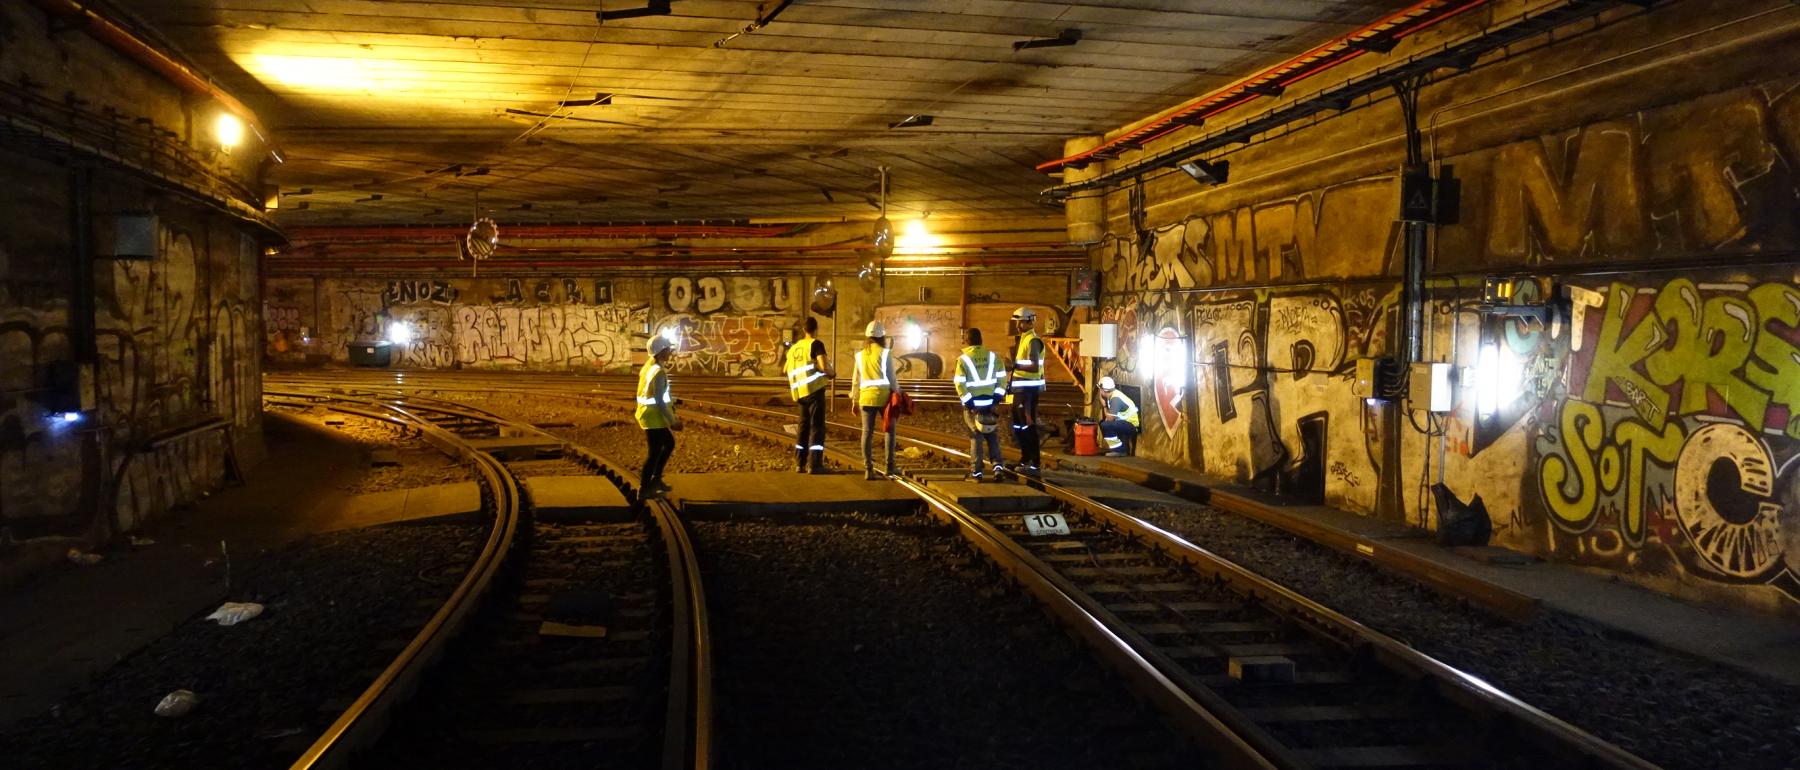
(980, 382)
(656, 415)
(1121, 423)
(1027, 385)
(809, 372)
(873, 383)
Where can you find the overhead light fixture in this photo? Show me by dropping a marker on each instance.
(912, 121)
(229, 130)
(1206, 172)
(599, 99)
(275, 155)
(1065, 37)
(652, 8)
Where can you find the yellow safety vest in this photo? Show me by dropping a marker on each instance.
(1129, 410)
(979, 378)
(804, 377)
(876, 373)
(1024, 355)
(653, 390)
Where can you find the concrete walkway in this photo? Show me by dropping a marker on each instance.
(1760, 644)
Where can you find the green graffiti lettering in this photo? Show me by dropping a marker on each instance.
(1775, 366)
(1708, 343)
(1615, 360)
(1641, 443)
(1581, 435)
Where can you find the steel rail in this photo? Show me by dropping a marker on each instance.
(688, 742)
(1222, 727)
(366, 717)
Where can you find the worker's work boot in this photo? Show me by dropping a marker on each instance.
(818, 462)
(869, 473)
(799, 460)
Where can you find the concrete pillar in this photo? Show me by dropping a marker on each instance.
(1086, 215)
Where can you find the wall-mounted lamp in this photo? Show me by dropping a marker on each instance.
(229, 130)
(1206, 172)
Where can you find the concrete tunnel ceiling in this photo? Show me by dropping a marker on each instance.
(401, 112)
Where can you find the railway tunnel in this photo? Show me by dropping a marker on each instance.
(1420, 383)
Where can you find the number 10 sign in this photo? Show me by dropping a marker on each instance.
(1039, 524)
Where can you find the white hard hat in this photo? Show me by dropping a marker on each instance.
(1106, 383)
(1024, 314)
(660, 345)
(875, 329)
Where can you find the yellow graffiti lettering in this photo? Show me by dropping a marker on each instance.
(1615, 360)
(1581, 432)
(1641, 444)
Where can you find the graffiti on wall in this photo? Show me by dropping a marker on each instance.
(1680, 431)
(1710, 174)
(165, 360)
(555, 323)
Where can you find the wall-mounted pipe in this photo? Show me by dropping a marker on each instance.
(124, 41)
(311, 266)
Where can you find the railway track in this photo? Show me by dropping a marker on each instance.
(563, 643)
(1260, 675)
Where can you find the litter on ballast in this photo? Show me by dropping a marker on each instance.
(177, 703)
(233, 613)
(78, 556)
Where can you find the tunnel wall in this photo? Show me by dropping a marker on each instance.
(169, 393)
(729, 324)
(1646, 170)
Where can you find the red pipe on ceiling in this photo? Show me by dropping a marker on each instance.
(141, 51)
(1284, 74)
(450, 233)
(326, 266)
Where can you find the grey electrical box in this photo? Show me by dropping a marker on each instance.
(134, 236)
(1430, 387)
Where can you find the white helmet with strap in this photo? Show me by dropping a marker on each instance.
(875, 329)
(1106, 383)
(1024, 314)
(660, 345)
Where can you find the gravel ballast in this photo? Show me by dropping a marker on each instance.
(1677, 711)
(330, 600)
(847, 640)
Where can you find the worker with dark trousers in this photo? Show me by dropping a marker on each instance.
(656, 415)
(1027, 375)
(1121, 423)
(980, 382)
(809, 372)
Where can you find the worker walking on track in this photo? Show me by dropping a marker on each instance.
(980, 382)
(1121, 423)
(1027, 385)
(656, 415)
(873, 383)
(809, 372)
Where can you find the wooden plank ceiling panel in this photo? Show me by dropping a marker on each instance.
(395, 112)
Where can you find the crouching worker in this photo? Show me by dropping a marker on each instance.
(656, 415)
(980, 382)
(1121, 424)
(873, 384)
